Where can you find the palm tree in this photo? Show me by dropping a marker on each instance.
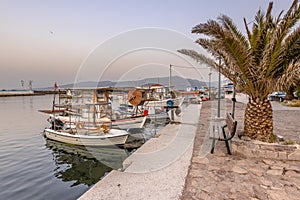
(264, 60)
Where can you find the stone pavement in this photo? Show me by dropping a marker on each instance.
(221, 176)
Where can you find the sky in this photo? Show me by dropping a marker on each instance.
(68, 41)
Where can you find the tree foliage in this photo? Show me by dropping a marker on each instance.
(264, 60)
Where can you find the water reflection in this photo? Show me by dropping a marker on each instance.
(84, 165)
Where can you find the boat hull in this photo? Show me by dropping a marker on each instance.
(85, 140)
(119, 123)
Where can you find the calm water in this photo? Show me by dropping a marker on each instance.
(32, 167)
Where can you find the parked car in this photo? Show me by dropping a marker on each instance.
(276, 96)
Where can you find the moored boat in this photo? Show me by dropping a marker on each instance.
(111, 137)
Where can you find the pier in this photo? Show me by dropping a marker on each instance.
(158, 169)
(14, 93)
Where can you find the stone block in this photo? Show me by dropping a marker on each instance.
(271, 154)
(282, 155)
(288, 148)
(295, 155)
(267, 147)
(259, 153)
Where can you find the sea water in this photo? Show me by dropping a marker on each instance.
(33, 167)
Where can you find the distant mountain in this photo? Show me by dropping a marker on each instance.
(179, 83)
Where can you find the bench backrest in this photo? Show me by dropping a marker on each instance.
(231, 124)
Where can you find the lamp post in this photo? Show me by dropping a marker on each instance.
(209, 84)
(219, 90)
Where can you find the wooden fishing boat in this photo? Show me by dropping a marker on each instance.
(91, 105)
(88, 138)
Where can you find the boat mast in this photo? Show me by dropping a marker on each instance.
(170, 78)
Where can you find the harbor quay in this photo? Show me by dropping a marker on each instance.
(157, 170)
(177, 163)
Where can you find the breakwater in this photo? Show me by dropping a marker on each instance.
(12, 93)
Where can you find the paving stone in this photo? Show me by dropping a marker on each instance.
(264, 187)
(297, 185)
(277, 194)
(213, 168)
(268, 162)
(259, 192)
(256, 171)
(207, 189)
(267, 183)
(276, 167)
(196, 174)
(241, 163)
(239, 170)
(202, 196)
(281, 164)
(200, 160)
(274, 172)
(292, 174)
(293, 168)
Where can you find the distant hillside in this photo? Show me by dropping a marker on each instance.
(178, 82)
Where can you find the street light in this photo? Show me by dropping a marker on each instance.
(219, 90)
(209, 84)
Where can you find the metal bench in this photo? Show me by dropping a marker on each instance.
(231, 125)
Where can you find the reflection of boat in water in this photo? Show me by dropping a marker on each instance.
(84, 165)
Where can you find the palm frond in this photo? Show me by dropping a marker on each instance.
(260, 61)
(290, 77)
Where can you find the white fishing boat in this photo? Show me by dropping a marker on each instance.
(92, 105)
(88, 138)
(121, 123)
(156, 100)
(84, 108)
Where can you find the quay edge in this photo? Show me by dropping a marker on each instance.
(157, 170)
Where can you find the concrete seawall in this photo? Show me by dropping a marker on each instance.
(158, 169)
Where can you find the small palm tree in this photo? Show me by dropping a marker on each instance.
(265, 60)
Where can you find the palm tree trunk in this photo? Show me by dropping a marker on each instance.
(259, 120)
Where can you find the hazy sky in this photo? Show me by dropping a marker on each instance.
(51, 41)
